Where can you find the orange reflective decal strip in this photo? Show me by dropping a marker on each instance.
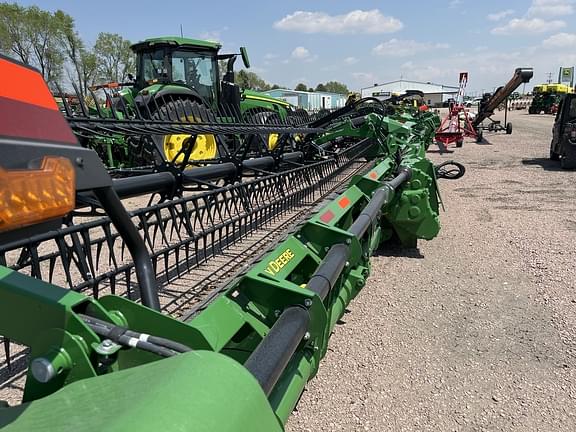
(343, 202)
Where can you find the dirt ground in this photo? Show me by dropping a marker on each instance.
(476, 331)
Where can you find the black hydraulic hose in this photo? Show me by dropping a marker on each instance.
(450, 170)
(269, 359)
(115, 333)
(128, 341)
(142, 263)
(157, 340)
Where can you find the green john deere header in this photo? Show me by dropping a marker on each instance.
(241, 359)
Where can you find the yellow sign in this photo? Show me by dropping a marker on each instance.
(275, 265)
(566, 76)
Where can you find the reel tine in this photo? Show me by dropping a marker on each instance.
(7, 353)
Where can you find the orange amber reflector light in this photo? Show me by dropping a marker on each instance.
(31, 196)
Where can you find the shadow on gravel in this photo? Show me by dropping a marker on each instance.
(396, 251)
(483, 142)
(545, 163)
(439, 151)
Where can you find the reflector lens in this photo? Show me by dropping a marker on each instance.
(327, 216)
(343, 202)
(31, 196)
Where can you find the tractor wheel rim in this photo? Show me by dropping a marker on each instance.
(273, 141)
(204, 147)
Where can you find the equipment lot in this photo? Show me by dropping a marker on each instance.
(477, 330)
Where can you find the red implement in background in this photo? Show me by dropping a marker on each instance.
(457, 124)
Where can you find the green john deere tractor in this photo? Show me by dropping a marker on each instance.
(180, 78)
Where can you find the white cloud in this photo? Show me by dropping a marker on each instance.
(212, 35)
(454, 3)
(405, 48)
(258, 70)
(270, 56)
(300, 53)
(356, 21)
(365, 79)
(428, 73)
(551, 8)
(303, 54)
(350, 60)
(528, 26)
(561, 40)
(497, 16)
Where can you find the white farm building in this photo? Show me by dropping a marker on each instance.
(434, 94)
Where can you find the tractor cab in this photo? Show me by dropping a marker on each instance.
(186, 67)
(180, 79)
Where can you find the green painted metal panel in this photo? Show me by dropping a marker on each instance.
(199, 391)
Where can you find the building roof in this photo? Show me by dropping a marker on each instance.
(297, 92)
(412, 82)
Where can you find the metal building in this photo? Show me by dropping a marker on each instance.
(309, 100)
(434, 94)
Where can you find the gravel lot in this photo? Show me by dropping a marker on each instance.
(476, 331)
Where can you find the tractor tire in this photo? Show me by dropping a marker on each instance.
(508, 128)
(554, 156)
(170, 147)
(299, 117)
(568, 163)
(459, 143)
(568, 159)
(531, 110)
(269, 141)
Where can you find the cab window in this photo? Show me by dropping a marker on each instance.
(196, 70)
(153, 65)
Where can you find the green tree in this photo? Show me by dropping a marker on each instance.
(321, 88)
(275, 86)
(114, 57)
(75, 53)
(45, 35)
(14, 40)
(88, 69)
(34, 36)
(251, 81)
(301, 87)
(336, 87)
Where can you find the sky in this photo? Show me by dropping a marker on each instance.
(360, 42)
